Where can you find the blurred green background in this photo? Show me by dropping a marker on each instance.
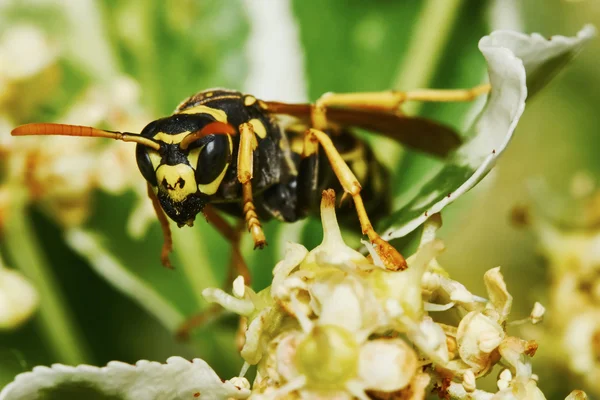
(295, 51)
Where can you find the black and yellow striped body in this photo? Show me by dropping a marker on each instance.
(285, 185)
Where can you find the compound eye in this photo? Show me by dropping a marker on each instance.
(144, 162)
(212, 161)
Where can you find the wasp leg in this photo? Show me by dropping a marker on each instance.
(389, 255)
(237, 266)
(391, 101)
(212, 312)
(167, 246)
(248, 144)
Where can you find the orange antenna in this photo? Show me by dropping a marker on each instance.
(214, 127)
(76, 130)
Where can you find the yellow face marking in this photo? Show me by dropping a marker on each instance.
(155, 158)
(178, 180)
(249, 100)
(193, 156)
(217, 114)
(259, 128)
(211, 188)
(170, 139)
(209, 94)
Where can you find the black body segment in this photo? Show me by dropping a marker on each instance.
(285, 185)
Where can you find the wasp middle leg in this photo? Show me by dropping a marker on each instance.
(391, 258)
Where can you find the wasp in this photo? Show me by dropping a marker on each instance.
(224, 151)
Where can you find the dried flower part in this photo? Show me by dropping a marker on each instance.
(18, 299)
(577, 395)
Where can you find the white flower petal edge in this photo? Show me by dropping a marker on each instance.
(514, 61)
(177, 379)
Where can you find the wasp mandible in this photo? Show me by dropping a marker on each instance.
(228, 151)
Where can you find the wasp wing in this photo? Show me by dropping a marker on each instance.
(414, 132)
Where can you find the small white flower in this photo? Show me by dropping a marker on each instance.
(477, 337)
(18, 299)
(24, 51)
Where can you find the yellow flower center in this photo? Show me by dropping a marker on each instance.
(328, 357)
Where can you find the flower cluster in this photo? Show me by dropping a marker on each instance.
(337, 324)
(59, 174)
(572, 249)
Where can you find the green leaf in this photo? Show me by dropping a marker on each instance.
(512, 59)
(177, 379)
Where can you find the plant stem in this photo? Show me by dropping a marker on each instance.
(430, 36)
(107, 266)
(55, 318)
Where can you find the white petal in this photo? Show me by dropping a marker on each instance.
(294, 254)
(238, 306)
(259, 332)
(511, 57)
(500, 299)
(342, 307)
(477, 336)
(430, 339)
(177, 379)
(387, 365)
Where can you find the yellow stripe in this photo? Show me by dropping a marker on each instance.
(170, 139)
(211, 188)
(217, 114)
(249, 100)
(193, 156)
(259, 128)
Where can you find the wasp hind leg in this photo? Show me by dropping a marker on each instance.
(391, 258)
(248, 144)
(390, 101)
(237, 266)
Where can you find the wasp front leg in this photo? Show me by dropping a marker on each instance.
(391, 258)
(167, 246)
(248, 144)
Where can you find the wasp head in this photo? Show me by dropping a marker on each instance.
(195, 152)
